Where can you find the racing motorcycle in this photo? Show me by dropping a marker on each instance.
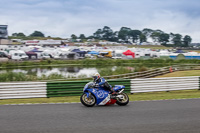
(94, 94)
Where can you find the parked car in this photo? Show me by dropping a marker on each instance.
(3, 57)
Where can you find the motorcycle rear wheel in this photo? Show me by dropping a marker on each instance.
(124, 101)
(89, 102)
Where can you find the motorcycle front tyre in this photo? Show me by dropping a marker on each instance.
(89, 102)
(124, 101)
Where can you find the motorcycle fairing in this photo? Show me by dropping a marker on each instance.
(102, 96)
(87, 93)
(118, 87)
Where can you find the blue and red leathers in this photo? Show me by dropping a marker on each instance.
(103, 83)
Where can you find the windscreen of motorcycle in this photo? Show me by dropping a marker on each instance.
(88, 86)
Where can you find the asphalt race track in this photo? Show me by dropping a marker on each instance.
(168, 116)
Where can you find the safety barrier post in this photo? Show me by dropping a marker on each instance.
(199, 83)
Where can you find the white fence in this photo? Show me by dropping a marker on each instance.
(164, 84)
(39, 89)
(22, 90)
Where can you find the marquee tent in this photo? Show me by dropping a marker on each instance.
(129, 52)
(93, 52)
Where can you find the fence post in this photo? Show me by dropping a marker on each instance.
(199, 83)
(170, 69)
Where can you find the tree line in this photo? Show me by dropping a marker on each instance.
(128, 35)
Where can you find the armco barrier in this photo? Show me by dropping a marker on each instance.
(164, 84)
(49, 89)
(75, 88)
(22, 90)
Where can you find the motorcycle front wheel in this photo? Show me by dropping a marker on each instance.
(88, 101)
(124, 101)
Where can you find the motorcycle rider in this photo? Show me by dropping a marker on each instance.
(100, 81)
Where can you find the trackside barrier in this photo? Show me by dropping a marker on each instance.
(164, 84)
(49, 89)
(75, 88)
(22, 90)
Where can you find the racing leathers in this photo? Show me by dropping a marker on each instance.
(104, 84)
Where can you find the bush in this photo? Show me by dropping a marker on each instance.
(12, 76)
(51, 77)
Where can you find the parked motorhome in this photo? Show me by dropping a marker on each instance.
(118, 54)
(18, 55)
(52, 53)
(42, 55)
(3, 47)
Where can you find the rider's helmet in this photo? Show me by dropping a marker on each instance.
(96, 76)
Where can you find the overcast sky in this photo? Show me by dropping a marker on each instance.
(61, 18)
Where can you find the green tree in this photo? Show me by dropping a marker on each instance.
(160, 36)
(18, 34)
(82, 36)
(147, 32)
(98, 34)
(115, 36)
(164, 38)
(73, 36)
(176, 39)
(37, 34)
(143, 38)
(107, 33)
(155, 35)
(124, 33)
(134, 35)
(186, 41)
(21, 34)
(14, 34)
(90, 37)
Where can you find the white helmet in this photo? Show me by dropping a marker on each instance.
(96, 76)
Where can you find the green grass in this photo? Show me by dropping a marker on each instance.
(181, 74)
(41, 100)
(184, 94)
(97, 62)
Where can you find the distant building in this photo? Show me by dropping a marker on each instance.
(5, 41)
(3, 32)
(48, 42)
(31, 42)
(4, 35)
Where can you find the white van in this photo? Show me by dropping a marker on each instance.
(18, 55)
(118, 54)
(42, 55)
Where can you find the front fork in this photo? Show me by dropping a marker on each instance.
(121, 91)
(88, 94)
(118, 95)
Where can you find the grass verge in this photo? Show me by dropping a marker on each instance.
(183, 94)
(181, 74)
